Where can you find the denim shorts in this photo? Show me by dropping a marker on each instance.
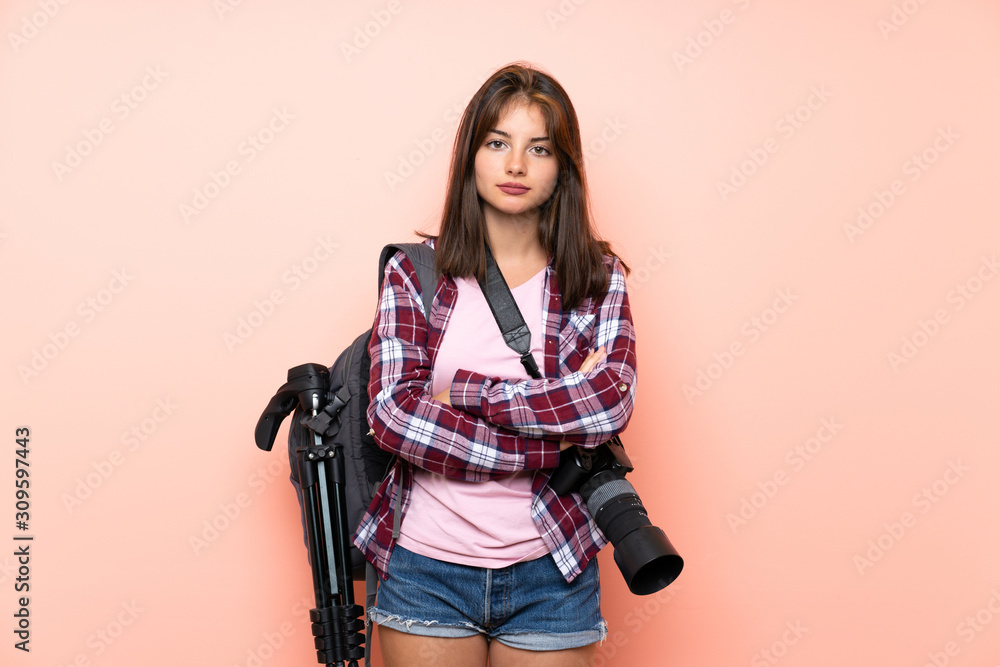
(527, 605)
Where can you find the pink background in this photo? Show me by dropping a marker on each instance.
(871, 347)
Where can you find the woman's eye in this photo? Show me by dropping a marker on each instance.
(497, 144)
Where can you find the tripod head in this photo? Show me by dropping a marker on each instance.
(307, 385)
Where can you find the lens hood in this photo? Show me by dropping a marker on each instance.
(647, 560)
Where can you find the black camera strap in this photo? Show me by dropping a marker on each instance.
(508, 316)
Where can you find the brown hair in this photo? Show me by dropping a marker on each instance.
(564, 222)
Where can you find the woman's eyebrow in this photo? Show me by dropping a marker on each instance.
(504, 134)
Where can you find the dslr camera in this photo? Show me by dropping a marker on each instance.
(643, 553)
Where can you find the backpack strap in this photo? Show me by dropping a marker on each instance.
(422, 257)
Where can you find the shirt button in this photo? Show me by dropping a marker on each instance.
(623, 387)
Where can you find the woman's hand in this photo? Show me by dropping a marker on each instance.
(444, 396)
(591, 361)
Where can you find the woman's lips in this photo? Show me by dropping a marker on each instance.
(513, 188)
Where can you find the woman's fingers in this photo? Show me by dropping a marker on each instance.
(444, 396)
(591, 361)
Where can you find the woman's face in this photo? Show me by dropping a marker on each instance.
(516, 168)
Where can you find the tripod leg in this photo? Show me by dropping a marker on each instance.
(342, 544)
(318, 555)
(328, 534)
(342, 629)
(336, 623)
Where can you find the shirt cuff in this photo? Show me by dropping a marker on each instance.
(466, 391)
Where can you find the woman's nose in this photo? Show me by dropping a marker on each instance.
(515, 165)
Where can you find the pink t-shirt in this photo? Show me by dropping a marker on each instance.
(485, 524)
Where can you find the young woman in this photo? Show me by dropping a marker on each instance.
(480, 560)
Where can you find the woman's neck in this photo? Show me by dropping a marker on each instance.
(514, 239)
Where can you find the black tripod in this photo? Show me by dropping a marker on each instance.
(337, 625)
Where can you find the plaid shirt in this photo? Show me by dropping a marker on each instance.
(496, 427)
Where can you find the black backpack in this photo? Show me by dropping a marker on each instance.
(344, 421)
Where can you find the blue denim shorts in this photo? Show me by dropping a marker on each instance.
(527, 605)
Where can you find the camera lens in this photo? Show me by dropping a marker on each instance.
(643, 553)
